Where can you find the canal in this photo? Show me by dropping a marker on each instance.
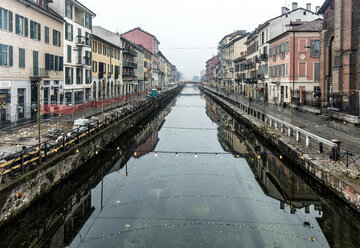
(192, 177)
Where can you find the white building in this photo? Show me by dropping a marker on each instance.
(77, 49)
(274, 27)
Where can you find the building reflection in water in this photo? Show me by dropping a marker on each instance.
(279, 182)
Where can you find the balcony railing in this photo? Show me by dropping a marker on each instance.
(130, 51)
(130, 64)
(39, 73)
(82, 41)
(128, 74)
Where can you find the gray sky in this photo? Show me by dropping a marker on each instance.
(188, 30)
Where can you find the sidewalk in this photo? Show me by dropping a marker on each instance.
(348, 134)
(26, 134)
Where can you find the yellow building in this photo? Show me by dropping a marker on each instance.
(106, 64)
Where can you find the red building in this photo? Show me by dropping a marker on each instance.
(295, 63)
(150, 42)
(340, 59)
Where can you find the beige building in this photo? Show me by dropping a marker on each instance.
(77, 49)
(31, 52)
(106, 64)
(235, 49)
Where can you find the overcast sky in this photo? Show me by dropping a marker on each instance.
(188, 30)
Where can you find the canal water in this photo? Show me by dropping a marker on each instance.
(197, 178)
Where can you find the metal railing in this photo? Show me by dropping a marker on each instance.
(27, 158)
(300, 135)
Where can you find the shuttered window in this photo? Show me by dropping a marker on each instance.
(47, 35)
(21, 58)
(68, 54)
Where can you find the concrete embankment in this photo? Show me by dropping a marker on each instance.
(344, 190)
(17, 194)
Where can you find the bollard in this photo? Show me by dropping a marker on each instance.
(22, 159)
(46, 151)
(335, 150)
(63, 141)
(321, 147)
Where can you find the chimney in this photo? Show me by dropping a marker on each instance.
(294, 5)
(284, 10)
(317, 8)
(308, 6)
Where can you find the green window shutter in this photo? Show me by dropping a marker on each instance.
(39, 32)
(72, 76)
(21, 58)
(69, 54)
(51, 62)
(61, 63)
(56, 63)
(17, 24)
(10, 56)
(59, 39)
(72, 33)
(26, 27)
(1, 59)
(32, 30)
(54, 37)
(10, 21)
(47, 30)
(47, 61)
(66, 31)
(1, 14)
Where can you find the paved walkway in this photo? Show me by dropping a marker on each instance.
(348, 134)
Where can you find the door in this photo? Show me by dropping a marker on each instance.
(34, 99)
(302, 95)
(21, 104)
(56, 93)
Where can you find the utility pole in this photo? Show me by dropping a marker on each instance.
(102, 98)
(291, 108)
(264, 89)
(38, 101)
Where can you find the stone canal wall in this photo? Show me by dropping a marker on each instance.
(17, 194)
(312, 160)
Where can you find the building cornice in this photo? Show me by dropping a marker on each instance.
(46, 11)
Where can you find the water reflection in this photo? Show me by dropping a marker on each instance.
(193, 177)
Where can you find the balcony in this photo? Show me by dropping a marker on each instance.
(83, 41)
(130, 64)
(128, 74)
(130, 51)
(39, 73)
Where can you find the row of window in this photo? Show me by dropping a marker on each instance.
(282, 70)
(105, 50)
(69, 35)
(87, 57)
(101, 68)
(69, 76)
(54, 62)
(22, 27)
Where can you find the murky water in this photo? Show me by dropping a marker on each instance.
(202, 180)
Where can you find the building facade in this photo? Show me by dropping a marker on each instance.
(106, 65)
(295, 63)
(151, 43)
(77, 47)
(129, 66)
(252, 59)
(340, 56)
(31, 56)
